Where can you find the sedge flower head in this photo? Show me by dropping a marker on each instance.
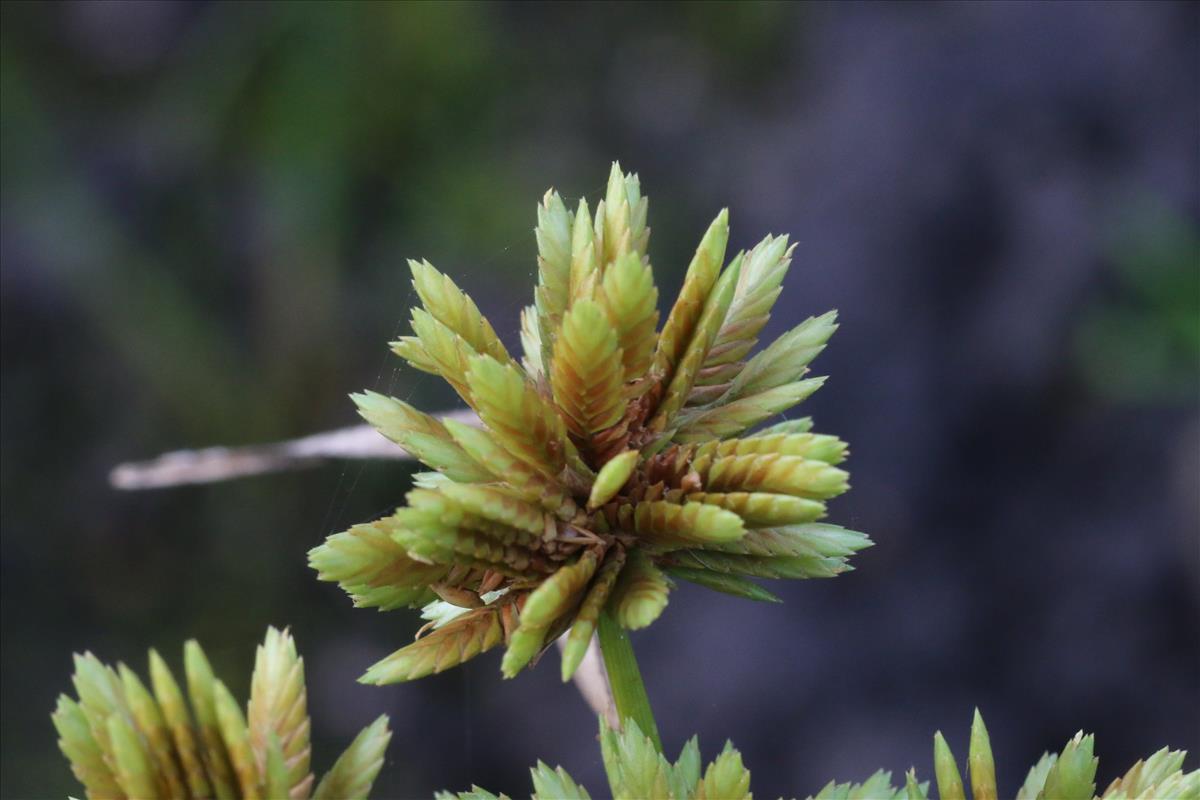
(610, 458)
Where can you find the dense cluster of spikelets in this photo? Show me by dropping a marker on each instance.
(612, 456)
(637, 771)
(127, 741)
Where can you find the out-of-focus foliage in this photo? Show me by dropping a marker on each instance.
(1142, 343)
(125, 740)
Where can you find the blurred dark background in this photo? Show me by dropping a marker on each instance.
(206, 209)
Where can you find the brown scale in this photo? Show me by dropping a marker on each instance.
(510, 615)
(457, 595)
(625, 517)
(609, 442)
(640, 407)
(673, 468)
(536, 562)
(490, 581)
(608, 512)
(703, 395)
(460, 574)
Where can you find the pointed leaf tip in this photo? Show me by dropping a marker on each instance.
(949, 781)
(980, 763)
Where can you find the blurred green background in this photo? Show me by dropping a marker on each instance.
(206, 209)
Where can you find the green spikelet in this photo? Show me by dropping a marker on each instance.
(763, 509)
(531, 344)
(201, 690)
(697, 285)
(276, 781)
(685, 774)
(449, 306)
(525, 481)
(178, 720)
(449, 512)
(914, 790)
(555, 784)
(553, 234)
(772, 472)
(758, 287)
(475, 793)
(669, 523)
(589, 612)
(100, 696)
(1154, 777)
(522, 421)
(556, 594)
(640, 593)
(448, 352)
(85, 755)
(411, 350)
(630, 301)
(278, 710)
(980, 763)
(586, 375)
(815, 447)
(703, 334)
(356, 769)
(802, 425)
(585, 254)
(148, 720)
(733, 417)
(1036, 778)
(786, 359)
(949, 781)
(553, 598)
(419, 434)
(726, 778)
(635, 767)
(1072, 776)
(494, 504)
(134, 770)
(877, 787)
(524, 644)
(621, 218)
(232, 724)
(821, 539)
(611, 477)
(375, 570)
(427, 540)
(466, 637)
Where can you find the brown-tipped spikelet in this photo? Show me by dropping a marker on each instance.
(127, 741)
(612, 457)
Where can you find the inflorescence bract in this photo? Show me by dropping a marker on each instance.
(611, 457)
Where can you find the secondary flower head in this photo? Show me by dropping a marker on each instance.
(610, 456)
(126, 740)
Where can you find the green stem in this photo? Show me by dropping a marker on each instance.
(629, 692)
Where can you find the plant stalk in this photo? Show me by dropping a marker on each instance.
(629, 692)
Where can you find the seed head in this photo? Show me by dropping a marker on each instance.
(611, 457)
